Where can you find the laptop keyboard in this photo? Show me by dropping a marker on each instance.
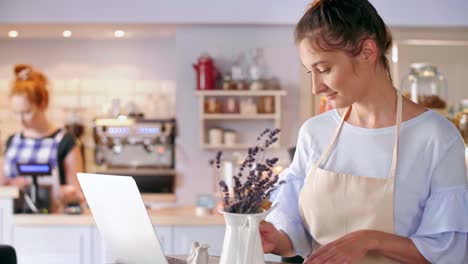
(175, 261)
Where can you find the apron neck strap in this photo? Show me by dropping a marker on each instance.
(397, 136)
(335, 136)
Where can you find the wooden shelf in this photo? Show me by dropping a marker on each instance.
(225, 147)
(159, 197)
(207, 119)
(241, 93)
(233, 147)
(138, 171)
(238, 116)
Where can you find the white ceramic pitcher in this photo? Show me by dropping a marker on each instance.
(242, 242)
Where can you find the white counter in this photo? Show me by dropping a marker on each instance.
(9, 192)
(181, 216)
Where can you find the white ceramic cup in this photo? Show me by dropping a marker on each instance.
(230, 138)
(215, 136)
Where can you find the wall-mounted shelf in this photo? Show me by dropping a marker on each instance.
(241, 93)
(232, 147)
(219, 119)
(238, 116)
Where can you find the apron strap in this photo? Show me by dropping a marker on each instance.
(335, 136)
(397, 136)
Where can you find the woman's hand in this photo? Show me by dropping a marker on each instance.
(349, 249)
(269, 235)
(70, 194)
(275, 241)
(20, 182)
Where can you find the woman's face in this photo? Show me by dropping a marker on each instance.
(333, 74)
(25, 111)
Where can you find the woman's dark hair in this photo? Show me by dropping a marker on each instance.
(344, 25)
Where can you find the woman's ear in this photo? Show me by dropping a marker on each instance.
(369, 52)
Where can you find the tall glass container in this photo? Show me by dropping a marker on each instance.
(426, 86)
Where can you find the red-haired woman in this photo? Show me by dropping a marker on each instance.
(40, 141)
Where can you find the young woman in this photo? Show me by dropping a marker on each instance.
(40, 141)
(379, 179)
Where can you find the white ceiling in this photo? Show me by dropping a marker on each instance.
(87, 31)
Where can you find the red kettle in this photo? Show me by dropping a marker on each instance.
(206, 73)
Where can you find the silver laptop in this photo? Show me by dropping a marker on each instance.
(122, 219)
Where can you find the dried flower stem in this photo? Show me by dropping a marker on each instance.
(248, 196)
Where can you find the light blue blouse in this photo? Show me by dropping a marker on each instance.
(431, 187)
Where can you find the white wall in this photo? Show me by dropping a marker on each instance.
(71, 58)
(394, 12)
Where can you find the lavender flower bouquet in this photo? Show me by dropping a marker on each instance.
(255, 180)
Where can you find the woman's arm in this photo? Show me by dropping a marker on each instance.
(354, 246)
(3, 179)
(20, 182)
(290, 236)
(73, 164)
(396, 247)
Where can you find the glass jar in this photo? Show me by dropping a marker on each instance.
(212, 106)
(426, 86)
(461, 120)
(230, 105)
(463, 124)
(266, 105)
(228, 84)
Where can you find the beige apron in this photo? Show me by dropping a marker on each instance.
(335, 204)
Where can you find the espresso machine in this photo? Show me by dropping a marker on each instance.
(138, 147)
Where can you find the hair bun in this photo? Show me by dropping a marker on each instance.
(23, 71)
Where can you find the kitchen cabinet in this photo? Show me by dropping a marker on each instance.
(53, 245)
(84, 245)
(102, 255)
(166, 238)
(259, 109)
(184, 236)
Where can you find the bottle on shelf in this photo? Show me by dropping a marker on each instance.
(238, 73)
(266, 105)
(230, 105)
(257, 70)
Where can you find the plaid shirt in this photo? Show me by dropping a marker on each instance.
(31, 150)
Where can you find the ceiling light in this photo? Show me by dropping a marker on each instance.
(67, 34)
(119, 33)
(13, 34)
